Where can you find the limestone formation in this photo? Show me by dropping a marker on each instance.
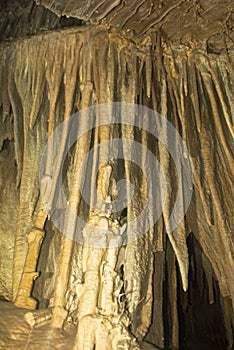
(76, 272)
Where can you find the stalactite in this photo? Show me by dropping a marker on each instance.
(185, 75)
(63, 268)
(85, 68)
(182, 97)
(83, 145)
(99, 66)
(146, 242)
(37, 86)
(18, 128)
(103, 93)
(177, 237)
(210, 173)
(112, 68)
(160, 236)
(140, 83)
(54, 74)
(163, 154)
(213, 72)
(172, 79)
(5, 83)
(172, 296)
(159, 56)
(70, 74)
(208, 84)
(198, 176)
(128, 92)
(148, 68)
(154, 95)
(209, 169)
(198, 184)
(20, 241)
(178, 240)
(27, 265)
(227, 82)
(194, 95)
(172, 96)
(40, 218)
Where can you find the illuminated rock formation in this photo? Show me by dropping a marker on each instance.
(118, 288)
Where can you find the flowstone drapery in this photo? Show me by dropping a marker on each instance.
(114, 296)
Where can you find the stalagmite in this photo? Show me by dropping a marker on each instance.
(23, 298)
(100, 308)
(59, 313)
(41, 215)
(40, 218)
(22, 75)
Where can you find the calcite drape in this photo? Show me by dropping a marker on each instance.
(72, 69)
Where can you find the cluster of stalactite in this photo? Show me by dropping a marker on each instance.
(46, 79)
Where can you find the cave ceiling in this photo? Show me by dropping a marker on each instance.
(178, 19)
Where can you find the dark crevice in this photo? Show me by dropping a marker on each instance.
(201, 324)
(5, 145)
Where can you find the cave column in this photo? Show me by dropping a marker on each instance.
(34, 238)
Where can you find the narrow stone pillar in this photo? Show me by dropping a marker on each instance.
(23, 298)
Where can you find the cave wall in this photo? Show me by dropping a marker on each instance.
(21, 18)
(47, 77)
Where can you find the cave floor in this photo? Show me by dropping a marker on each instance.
(15, 333)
